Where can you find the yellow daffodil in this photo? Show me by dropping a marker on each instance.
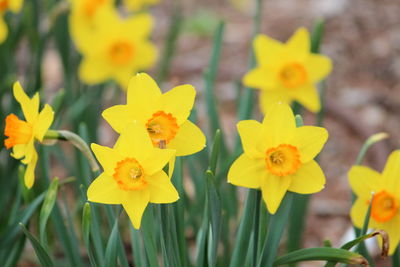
(385, 209)
(22, 134)
(137, 5)
(278, 157)
(165, 116)
(114, 48)
(133, 174)
(7, 5)
(287, 72)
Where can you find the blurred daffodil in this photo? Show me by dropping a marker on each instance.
(385, 209)
(22, 134)
(133, 174)
(7, 5)
(278, 157)
(165, 116)
(137, 5)
(287, 72)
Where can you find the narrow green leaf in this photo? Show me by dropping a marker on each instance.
(215, 151)
(137, 248)
(148, 233)
(47, 207)
(317, 35)
(40, 251)
(215, 218)
(370, 141)
(112, 245)
(396, 258)
(86, 221)
(322, 254)
(15, 253)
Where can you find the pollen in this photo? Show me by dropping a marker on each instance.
(162, 128)
(384, 206)
(121, 52)
(293, 75)
(282, 160)
(17, 131)
(129, 175)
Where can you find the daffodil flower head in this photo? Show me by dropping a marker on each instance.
(133, 174)
(287, 72)
(385, 206)
(164, 116)
(7, 5)
(278, 156)
(22, 134)
(137, 5)
(114, 48)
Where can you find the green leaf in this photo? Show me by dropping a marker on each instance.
(215, 151)
(370, 141)
(86, 221)
(112, 245)
(317, 35)
(40, 251)
(147, 230)
(321, 254)
(47, 207)
(215, 218)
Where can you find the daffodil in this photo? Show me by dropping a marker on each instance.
(112, 47)
(385, 188)
(165, 116)
(133, 174)
(12, 5)
(279, 157)
(287, 72)
(22, 134)
(137, 5)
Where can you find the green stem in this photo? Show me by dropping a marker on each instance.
(256, 228)
(396, 258)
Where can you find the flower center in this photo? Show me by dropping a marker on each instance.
(282, 160)
(162, 128)
(89, 7)
(17, 131)
(293, 75)
(129, 175)
(121, 52)
(3, 5)
(384, 207)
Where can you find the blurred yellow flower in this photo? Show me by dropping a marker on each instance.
(287, 72)
(278, 157)
(133, 174)
(5, 5)
(137, 5)
(165, 116)
(22, 134)
(112, 47)
(385, 209)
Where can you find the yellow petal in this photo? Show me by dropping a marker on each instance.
(15, 5)
(123, 75)
(44, 120)
(358, 211)
(250, 134)
(393, 230)
(107, 157)
(29, 176)
(135, 142)
(19, 151)
(247, 172)
(30, 107)
(157, 160)
(171, 166)
(29, 151)
(142, 23)
(178, 101)
(161, 188)
(148, 55)
(267, 50)
(134, 204)
(94, 70)
(391, 172)
(364, 180)
(299, 44)
(279, 125)
(308, 96)
(308, 179)
(309, 140)
(318, 67)
(273, 190)
(260, 78)
(142, 90)
(3, 29)
(270, 98)
(118, 116)
(105, 190)
(189, 140)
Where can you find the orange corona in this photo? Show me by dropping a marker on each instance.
(17, 131)
(384, 206)
(121, 52)
(129, 175)
(293, 75)
(282, 160)
(162, 127)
